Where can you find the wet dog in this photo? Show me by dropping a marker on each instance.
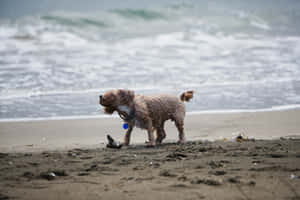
(147, 112)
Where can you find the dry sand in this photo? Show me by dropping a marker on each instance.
(64, 160)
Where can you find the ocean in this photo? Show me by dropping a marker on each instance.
(59, 56)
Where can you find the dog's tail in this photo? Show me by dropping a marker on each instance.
(186, 96)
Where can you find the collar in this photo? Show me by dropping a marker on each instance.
(127, 117)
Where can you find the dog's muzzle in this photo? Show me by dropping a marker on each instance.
(102, 103)
(101, 99)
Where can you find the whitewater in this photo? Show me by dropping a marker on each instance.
(241, 56)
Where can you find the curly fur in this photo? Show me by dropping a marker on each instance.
(151, 112)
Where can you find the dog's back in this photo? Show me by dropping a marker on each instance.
(163, 107)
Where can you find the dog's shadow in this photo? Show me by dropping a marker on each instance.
(143, 146)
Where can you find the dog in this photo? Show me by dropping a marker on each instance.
(147, 112)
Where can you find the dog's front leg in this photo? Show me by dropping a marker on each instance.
(127, 135)
(151, 136)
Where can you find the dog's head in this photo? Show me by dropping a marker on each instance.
(111, 100)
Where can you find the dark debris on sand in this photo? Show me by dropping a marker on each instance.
(167, 173)
(206, 181)
(4, 197)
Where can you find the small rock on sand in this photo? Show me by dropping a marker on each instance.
(28, 175)
(233, 180)
(47, 175)
(166, 173)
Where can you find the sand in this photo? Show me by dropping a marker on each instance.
(67, 134)
(67, 159)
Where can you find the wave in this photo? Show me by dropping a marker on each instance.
(71, 21)
(32, 94)
(103, 19)
(234, 56)
(146, 21)
(140, 13)
(270, 109)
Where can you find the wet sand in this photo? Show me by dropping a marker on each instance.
(67, 134)
(260, 168)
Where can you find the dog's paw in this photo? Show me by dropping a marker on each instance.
(158, 141)
(126, 144)
(150, 144)
(182, 141)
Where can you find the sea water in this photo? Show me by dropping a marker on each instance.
(55, 61)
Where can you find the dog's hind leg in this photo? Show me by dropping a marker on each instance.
(179, 123)
(160, 134)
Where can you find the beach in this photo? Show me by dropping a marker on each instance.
(67, 159)
(242, 126)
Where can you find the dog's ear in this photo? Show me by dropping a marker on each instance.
(126, 96)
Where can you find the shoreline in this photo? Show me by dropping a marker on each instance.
(30, 136)
(70, 117)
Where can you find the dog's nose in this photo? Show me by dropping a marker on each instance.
(101, 99)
